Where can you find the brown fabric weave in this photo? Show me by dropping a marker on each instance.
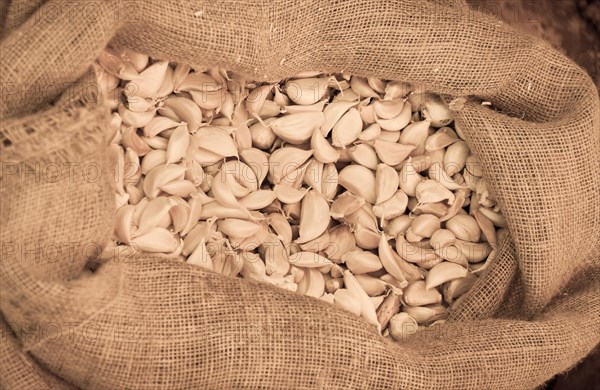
(147, 322)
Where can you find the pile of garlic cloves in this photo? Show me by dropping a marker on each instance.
(357, 191)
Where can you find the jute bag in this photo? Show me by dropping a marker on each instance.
(148, 322)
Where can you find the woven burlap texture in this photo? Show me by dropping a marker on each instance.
(148, 322)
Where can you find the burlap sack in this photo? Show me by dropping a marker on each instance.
(147, 322)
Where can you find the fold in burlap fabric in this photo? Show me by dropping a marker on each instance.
(147, 322)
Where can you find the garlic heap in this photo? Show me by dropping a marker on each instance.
(353, 190)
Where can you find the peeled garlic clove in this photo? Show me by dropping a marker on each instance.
(179, 214)
(234, 227)
(281, 226)
(426, 314)
(438, 174)
(452, 254)
(123, 223)
(186, 110)
(347, 300)
(416, 294)
(287, 194)
(378, 85)
(390, 136)
(182, 188)
(307, 91)
(399, 122)
(133, 118)
(363, 154)
(347, 129)
(364, 216)
(256, 99)
(436, 111)
(284, 160)
(316, 245)
(392, 153)
(370, 133)
(496, 218)
(275, 255)
(455, 157)
(398, 225)
(423, 226)
(259, 199)
(367, 309)
(393, 207)
(216, 140)
(345, 205)
(258, 161)
(413, 253)
(297, 128)
(430, 191)
(222, 192)
(195, 81)
(388, 109)
(317, 107)
(416, 134)
(455, 208)
(388, 307)
(402, 325)
(371, 285)
(201, 257)
(135, 194)
(443, 138)
(159, 176)
(269, 109)
(195, 208)
(341, 241)
(308, 260)
(474, 252)
(241, 174)
(444, 272)
(159, 124)
(253, 267)
(330, 181)
(410, 179)
(386, 182)
(139, 104)
(367, 112)
(361, 87)
(322, 150)
(396, 89)
(361, 262)
(206, 158)
(155, 142)
(314, 217)
(295, 177)
(314, 174)
(465, 227)
(360, 181)
(366, 238)
(149, 81)
(386, 255)
(153, 213)
(117, 66)
(312, 284)
(442, 238)
(208, 100)
(178, 144)
(157, 240)
(457, 287)
(216, 209)
(333, 112)
(262, 134)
